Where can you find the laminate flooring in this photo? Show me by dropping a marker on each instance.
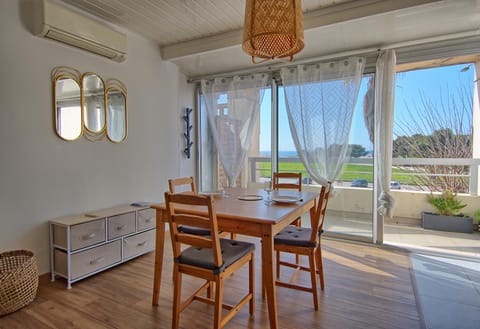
(366, 287)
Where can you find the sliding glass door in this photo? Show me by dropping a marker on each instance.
(350, 212)
(257, 164)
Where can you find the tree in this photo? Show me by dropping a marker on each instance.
(440, 129)
(356, 150)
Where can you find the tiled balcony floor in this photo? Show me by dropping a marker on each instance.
(445, 266)
(410, 236)
(457, 244)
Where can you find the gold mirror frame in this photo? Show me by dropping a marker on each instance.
(93, 104)
(64, 80)
(114, 127)
(117, 112)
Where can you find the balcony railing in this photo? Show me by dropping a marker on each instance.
(407, 166)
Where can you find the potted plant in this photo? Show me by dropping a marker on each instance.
(447, 216)
(476, 219)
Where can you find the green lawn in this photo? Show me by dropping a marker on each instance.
(350, 171)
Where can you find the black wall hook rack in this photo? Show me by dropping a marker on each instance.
(186, 134)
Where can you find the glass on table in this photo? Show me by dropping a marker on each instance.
(225, 186)
(268, 188)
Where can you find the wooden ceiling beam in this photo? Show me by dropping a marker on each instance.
(342, 12)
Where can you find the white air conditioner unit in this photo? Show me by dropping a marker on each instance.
(59, 23)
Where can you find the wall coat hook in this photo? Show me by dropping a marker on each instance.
(186, 134)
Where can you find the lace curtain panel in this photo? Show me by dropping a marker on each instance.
(384, 101)
(320, 100)
(233, 107)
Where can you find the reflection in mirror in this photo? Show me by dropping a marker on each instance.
(66, 103)
(93, 103)
(116, 111)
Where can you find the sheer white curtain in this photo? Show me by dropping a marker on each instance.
(233, 106)
(320, 100)
(384, 100)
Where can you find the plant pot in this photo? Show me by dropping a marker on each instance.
(431, 221)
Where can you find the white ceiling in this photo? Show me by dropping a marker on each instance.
(172, 21)
(204, 36)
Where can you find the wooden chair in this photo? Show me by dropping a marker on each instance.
(305, 241)
(291, 181)
(287, 180)
(187, 184)
(207, 257)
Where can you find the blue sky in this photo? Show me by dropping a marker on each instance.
(409, 85)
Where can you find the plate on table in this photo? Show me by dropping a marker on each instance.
(250, 197)
(285, 199)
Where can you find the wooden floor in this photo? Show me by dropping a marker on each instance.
(366, 287)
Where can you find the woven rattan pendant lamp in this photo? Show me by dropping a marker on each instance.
(273, 29)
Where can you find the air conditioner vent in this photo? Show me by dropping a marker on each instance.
(58, 23)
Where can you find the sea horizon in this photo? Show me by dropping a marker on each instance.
(282, 154)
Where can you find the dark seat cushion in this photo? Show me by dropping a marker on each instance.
(193, 230)
(295, 236)
(232, 250)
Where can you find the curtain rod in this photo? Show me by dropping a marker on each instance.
(356, 52)
(277, 66)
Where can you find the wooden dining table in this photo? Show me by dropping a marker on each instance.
(251, 218)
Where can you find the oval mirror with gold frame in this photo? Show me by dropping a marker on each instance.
(93, 103)
(67, 103)
(83, 104)
(117, 115)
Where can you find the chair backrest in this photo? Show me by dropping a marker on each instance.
(186, 184)
(287, 180)
(205, 205)
(320, 210)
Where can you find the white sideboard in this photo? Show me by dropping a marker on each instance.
(85, 244)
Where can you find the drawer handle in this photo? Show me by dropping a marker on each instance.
(141, 244)
(119, 228)
(88, 236)
(97, 260)
(148, 220)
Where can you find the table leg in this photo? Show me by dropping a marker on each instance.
(159, 242)
(268, 277)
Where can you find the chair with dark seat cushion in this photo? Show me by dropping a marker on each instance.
(290, 181)
(296, 236)
(193, 230)
(305, 241)
(187, 185)
(287, 180)
(232, 250)
(206, 257)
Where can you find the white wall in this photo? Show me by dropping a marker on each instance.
(42, 176)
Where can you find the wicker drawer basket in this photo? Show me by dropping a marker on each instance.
(18, 280)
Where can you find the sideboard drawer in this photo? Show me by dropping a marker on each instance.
(87, 243)
(87, 234)
(121, 225)
(138, 244)
(146, 219)
(89, 260)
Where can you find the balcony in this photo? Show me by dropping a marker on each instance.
(350, 213)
